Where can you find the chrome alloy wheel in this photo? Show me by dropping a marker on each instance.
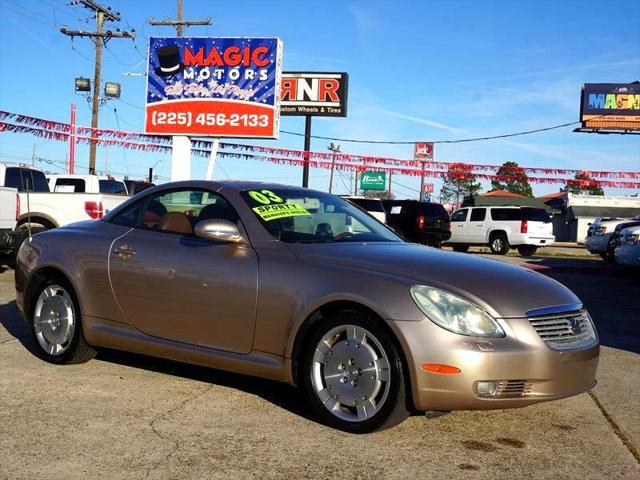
(497, 244)
(350, 373)
(54, 320)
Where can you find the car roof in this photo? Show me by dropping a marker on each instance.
(237, 185)
(631, 230)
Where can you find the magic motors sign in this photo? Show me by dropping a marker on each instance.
(611, 106)
(221, 87)
(314, 94)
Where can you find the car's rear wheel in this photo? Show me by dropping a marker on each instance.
(461, 248)
(353, 374)
(56, 326)
(527, 250)
(499, 244)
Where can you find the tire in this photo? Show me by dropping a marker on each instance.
(499, 244)
(436, 244)
(20, 235)
(527, 250)
(58, 337)
(369, 391)
(460, 248)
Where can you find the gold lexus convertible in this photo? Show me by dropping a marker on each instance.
(304, 287)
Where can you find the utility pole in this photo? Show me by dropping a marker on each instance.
(33, 156)
(181, 144)
(178, 23)
(103, 14)
(335, 149)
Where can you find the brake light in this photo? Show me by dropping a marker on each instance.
(17, 207)
(421, 222)
(524, 226)
(94, 209)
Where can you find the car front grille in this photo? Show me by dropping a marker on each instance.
(513, 388)
(566, 330)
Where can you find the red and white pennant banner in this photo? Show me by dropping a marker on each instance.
(60, 131)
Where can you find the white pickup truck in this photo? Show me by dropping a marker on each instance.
(87, 184)
(8, 217)
(44, 209)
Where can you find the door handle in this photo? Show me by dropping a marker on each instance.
(124, 251)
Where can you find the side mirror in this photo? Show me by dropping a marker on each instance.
(218, 231)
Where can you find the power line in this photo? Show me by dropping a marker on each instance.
(411, 142)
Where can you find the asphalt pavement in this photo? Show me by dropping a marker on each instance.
(124, 416)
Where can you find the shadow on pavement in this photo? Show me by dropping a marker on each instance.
(280, 394)
(610, 292)
(7, 263)
(12, 322)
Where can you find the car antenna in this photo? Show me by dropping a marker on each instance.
(28, 207)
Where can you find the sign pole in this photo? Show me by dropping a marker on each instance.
(72, 140)
(212, 158)
(389, 192)
(307, 149)
(421, 194)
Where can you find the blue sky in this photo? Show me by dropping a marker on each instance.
(418, 71)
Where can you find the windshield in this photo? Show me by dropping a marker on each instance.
(297, 216)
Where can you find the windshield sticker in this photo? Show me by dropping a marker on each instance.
(265, 196)
(280, 210)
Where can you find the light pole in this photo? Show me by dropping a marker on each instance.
(336, 150)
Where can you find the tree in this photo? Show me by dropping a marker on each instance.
(512, 179)
(581, 183)
(381, 194)
(459, 182)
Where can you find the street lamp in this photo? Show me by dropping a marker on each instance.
(83, 84)
(112, 89)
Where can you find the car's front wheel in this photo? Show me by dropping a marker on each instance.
(55, 323)
(353, 374)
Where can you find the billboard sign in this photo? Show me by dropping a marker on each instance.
(611, 106)
(314, 94)
(423, 151)
(373, 180)
(221, 87)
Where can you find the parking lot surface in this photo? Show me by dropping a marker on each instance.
(128, 416)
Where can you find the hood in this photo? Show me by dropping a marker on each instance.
(504, 290)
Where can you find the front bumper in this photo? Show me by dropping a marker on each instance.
(628, 255)
(521, 357)
(597, 243)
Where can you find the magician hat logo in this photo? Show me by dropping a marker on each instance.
(169, 60)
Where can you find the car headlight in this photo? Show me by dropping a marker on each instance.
(454, 313)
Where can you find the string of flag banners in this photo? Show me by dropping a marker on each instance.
(60, 131)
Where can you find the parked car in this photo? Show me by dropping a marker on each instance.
(616, 237)
(419, 222)
(274, 281)
(43, 209)
(600, 236)
(373, 206)
(628, 251)
(137, 186)
(9, 212)
(87, 184)
(501, 228)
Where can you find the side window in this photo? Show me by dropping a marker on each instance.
(130, 216)
(478, 214)
(69, 185)
(459, 215)
(178, 211)
(506, 214)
